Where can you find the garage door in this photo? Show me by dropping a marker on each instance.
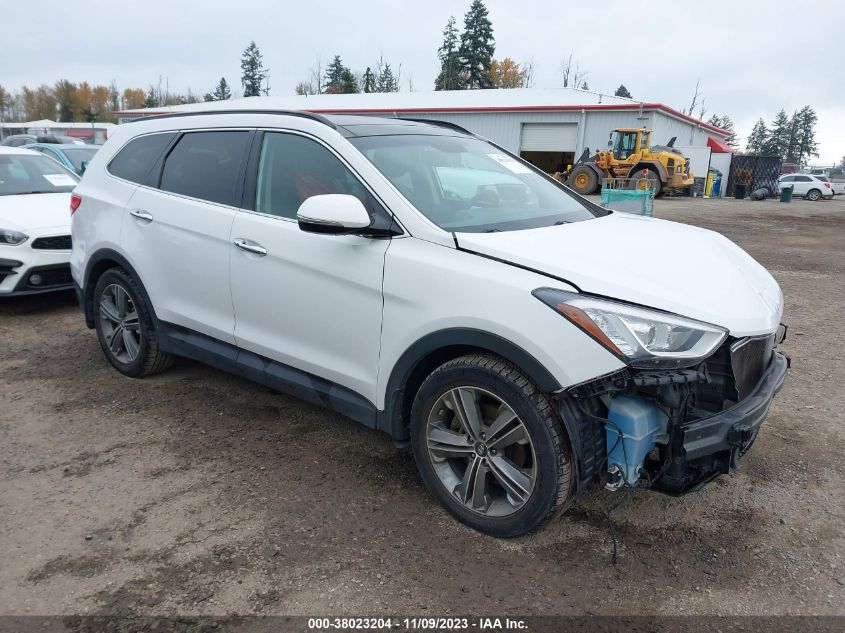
(549, 137)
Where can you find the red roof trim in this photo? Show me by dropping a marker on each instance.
(539, 108)
(718, 146)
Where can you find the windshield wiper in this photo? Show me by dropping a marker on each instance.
(562, 222)
(492, 231)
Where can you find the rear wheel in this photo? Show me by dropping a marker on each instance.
(814, 194)
(640, 181)
(490, 447)
(583, 180)
(124, 327)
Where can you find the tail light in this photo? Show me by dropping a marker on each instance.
(75, 201)
(827, 184)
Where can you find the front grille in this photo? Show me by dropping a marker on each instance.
(750, 357)
(55, 243)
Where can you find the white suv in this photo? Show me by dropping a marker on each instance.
(811, 187)
(430, 284)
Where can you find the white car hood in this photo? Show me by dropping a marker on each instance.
(666, 265)
(35, 211)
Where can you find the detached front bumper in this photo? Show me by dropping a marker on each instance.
(703, 449)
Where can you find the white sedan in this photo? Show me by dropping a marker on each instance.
(811, 187)
(35, 239)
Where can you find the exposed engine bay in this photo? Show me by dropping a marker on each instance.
(676, 430)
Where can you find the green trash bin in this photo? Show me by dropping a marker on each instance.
(786, 193)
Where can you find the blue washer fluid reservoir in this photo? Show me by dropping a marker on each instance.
(641, 425)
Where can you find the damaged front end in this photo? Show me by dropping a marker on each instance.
(674, 429)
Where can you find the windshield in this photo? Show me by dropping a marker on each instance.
(467, 185)
(21, 173)
(77, 155)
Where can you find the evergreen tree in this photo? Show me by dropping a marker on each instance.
(151, 100)
(777, 139)
(758, 138)
(253, 71)
(450, 77)
(368, 81)
(585, 85)
(727, 124)
(622, 91)
(387, 81)
(805, 142)
(477, 46)
(221, 92)
(348, 82)
(334, 76)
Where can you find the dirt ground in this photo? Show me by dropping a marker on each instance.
(196, 492)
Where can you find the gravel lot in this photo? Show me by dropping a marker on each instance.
(195, 492)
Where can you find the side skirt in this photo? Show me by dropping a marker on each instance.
(181, 341)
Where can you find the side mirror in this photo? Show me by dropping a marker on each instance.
(83, 166)
(333, 213)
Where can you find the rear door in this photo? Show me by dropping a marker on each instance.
(178, 230)
(310, 301)
(802, 185)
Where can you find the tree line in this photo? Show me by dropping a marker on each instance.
(793, 138)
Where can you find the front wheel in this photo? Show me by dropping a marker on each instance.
(490, 447)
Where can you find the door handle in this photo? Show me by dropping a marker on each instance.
(141, 215)
(250, 247)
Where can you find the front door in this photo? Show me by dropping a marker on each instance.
(179, 233)
(310, 301)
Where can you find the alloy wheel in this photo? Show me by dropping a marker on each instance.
(481, 451)
(120, 324)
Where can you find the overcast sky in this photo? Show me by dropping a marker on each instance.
(753, 57)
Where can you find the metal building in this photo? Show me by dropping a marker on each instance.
(546, 127)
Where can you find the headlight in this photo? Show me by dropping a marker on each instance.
(13, 238)
(639, 336)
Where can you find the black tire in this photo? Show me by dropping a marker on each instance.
(552, 490)
(650, 175)
(813, 195)
(583, 180)
(149, 359)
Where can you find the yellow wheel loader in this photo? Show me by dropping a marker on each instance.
(630, 155)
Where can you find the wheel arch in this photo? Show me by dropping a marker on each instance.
(653, 166)
(99, 263)
(434, 349)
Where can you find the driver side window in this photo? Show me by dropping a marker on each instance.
(293, 168)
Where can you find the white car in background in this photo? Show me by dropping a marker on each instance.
(35, 239)
(807, 185)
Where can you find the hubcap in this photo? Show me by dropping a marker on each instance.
(120, 324)
(481, 451)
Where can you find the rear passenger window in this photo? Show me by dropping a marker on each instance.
(206, 165)
(135, 161)
(293, 168)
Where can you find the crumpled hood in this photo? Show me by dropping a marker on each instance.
(35, 211)
(666, 265)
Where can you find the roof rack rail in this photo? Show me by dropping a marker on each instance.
(446, 124)
(300, 113)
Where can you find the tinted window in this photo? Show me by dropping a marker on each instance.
(293, 168)
(77, 156)
(802, 179)
(135, 161)
(206, 165)
(787, 179)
